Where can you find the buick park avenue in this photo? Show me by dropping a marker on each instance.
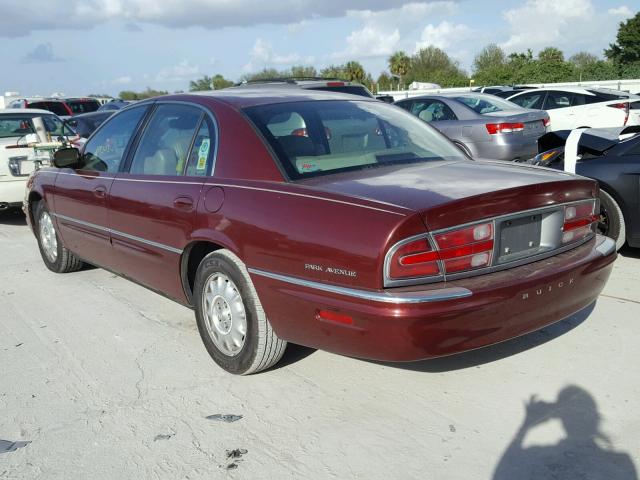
(322, 219)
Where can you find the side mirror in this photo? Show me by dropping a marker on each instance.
(66, 158)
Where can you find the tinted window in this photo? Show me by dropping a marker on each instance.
(432, 111)
(529, 100)
(352, 89)
(332, 136)
(202, 153)
(166, 141)
(557, 100)
(104, 151)
(55, 107)
(83, 106)
(19, 125)
(404, 105)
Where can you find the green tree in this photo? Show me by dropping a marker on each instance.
(384, 82)
(490, 57)
(148, 93)
(301, 71)
(432, 64)
(583, 60)
(551, 55)
(333, 71)
(354, 72)
(216, 82)
(399, 64)
(626, 50)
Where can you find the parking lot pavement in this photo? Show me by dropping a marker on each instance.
(106, 379)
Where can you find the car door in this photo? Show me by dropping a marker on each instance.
(80, 195)
(152, 203)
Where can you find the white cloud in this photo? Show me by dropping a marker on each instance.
(178, 73)
(262, 56)
(622, 11)
(380, 34)
(211, 14)
(567, 24)
(444, 35)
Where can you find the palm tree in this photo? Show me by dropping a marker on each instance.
(399, 64)
(354, 71)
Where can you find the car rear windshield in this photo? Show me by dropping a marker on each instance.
(323, 137)
(21, 125)
(83, 106)
(484, 105)
(352, 89)
(54, 107)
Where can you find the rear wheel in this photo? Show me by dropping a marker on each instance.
(231, 321)
(611, 222)
(56, 257)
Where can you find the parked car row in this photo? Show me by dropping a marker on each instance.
(63, 107)
(324, 219)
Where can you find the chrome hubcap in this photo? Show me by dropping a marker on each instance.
(48, 237)
(224, 314)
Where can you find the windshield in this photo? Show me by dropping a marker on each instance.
(321, 137)
(485, 105)
(21, 125)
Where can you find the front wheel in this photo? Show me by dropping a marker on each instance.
(230, 318)
(56, 257)
(611, 221)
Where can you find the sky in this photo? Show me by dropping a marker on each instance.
(79, 47)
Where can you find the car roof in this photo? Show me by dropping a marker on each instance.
(452, 95)
(248, 97)
(24, 111)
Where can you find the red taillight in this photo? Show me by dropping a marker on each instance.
(546, 122)
(458, 250)
(622, 106)
(335, 84)
(578, 221)
(466, 248)
(496, 128)
(414, 259)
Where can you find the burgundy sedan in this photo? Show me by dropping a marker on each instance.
(322, 219)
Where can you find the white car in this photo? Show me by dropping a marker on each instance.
(576, 107)
(17, 159)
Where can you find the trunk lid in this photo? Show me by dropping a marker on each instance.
(447, 194)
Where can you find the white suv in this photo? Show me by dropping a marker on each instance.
(17, 159)
(576, 107)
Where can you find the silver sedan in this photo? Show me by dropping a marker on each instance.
(482, 125)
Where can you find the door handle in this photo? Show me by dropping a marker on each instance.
(183, 203)
(100, 192)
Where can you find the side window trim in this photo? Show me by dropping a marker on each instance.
(135, 139)
(213, 125)
(192, 143)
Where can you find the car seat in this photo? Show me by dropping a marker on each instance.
(425, 115)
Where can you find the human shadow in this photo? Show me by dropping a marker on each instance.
(584, 454)
(498, 351)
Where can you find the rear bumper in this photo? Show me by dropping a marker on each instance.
(450, 318)
(506, 148)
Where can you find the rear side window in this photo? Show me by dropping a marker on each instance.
(202, 152)
(432, 111)
(55, 107)
(83, 106)
(557, 100)
(321, 137)
(166, 141)
(104, 151)
(529, 100)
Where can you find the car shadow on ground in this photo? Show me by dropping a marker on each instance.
(293, 354)
(584, 453)
(13, 217)
(496, 352)
(629, 252)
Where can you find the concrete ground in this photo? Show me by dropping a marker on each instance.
(107, 380)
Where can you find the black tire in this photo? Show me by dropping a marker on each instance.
(611, 221)
(65, 261)
(261, 347)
